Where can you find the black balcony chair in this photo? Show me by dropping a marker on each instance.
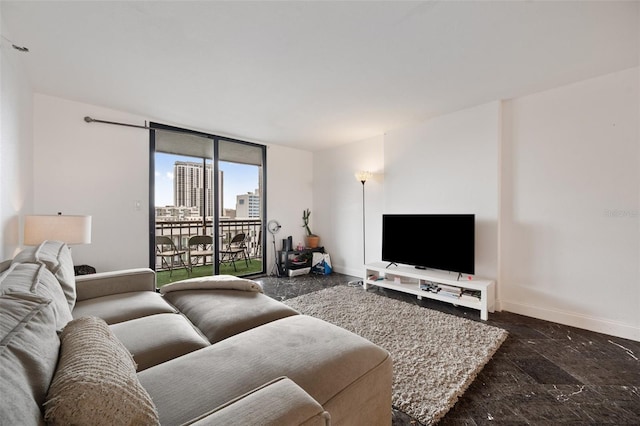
(200, 246)
(234, 248)
(167, 251)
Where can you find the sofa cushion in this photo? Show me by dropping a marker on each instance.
(158, 338)
(121, 307)
(96, 381)
(29, 348)
(56, 255)
(321, 358)
(280, 402)
(213, 282)
(223, 313)
(35, 278)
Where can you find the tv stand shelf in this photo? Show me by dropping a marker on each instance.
(409, 280)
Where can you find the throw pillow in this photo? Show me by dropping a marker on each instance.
(37, 279)
(29, 348)
(213, 282)
(96, 381)
(56, 255)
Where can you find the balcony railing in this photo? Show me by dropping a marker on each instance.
(181, 230)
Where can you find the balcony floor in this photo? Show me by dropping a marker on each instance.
(180, 273)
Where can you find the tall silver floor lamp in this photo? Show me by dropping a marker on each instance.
(362, 176)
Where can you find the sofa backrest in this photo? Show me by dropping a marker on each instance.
(36, 279)
(56, 256)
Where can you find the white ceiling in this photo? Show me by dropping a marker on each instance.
(313, 74)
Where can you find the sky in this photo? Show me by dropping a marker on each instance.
(238, 179)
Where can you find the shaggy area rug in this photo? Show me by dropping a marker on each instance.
(435, 356)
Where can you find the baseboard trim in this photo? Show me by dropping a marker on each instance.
(599, 325)
(354, 272)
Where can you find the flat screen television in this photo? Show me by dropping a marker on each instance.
(438, 241)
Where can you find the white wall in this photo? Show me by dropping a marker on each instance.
(444, 165)
(102, 170)
(338, 202)
(289, 192)
(449, 164)
(554, 179)
(16, 149)
(94, 169)
(570, 221)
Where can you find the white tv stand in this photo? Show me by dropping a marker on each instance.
(408, 280)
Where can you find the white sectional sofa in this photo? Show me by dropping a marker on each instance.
(109, 348)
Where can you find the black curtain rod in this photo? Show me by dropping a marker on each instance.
(93, 120)
(137, 126)
(172, 130)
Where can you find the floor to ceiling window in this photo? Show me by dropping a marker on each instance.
(208, 195)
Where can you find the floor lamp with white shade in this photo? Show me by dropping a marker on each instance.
(363, 176)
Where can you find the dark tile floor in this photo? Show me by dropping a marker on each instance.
(543, 374)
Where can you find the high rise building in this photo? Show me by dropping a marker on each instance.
(193, 185)
(248, 205)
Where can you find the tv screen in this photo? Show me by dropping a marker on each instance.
(438, 241)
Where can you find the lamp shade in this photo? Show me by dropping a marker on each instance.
(66, 228)
(363, 176)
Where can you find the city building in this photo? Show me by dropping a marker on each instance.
(248, 205)
(169, 213)
(192, 187)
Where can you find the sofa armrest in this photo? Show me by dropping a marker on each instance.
(107, 283)
(279, 402)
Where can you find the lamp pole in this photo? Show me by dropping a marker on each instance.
(362, 177)
(364, 245)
